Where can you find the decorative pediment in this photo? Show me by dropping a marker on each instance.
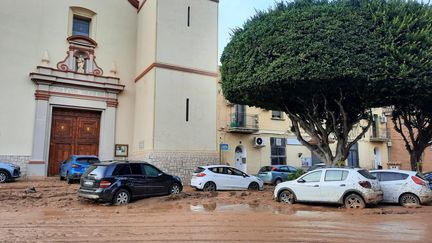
(80, 57)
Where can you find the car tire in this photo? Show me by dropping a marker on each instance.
(253, 186)
(354, 201)
(175, 188)
(121, 197)
(68, 179)
(277, 181)
(409, 198)
(61, 177)
(287, 197)
(4, 176)
(209, 187)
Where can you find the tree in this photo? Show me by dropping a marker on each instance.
(407, 28)
(317, 61)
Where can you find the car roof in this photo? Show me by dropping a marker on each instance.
(110, 162)
(339, 168)
(213, 166)
(397, 171)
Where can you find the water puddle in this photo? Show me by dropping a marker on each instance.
(242, 208)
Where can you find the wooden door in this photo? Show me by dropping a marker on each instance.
(72, 132)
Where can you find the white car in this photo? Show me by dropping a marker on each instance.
(352, 187)
(403, 187)
(222, 177)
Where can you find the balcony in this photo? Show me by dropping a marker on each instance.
(243, 123)
(379, 136)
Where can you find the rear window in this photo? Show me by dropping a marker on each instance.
(392, 176)
(265, 169)
(87, 160)
(336, 175)
(199, 169)
(98, 172)
(366, 174)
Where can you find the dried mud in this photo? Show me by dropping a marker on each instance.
(53, 212)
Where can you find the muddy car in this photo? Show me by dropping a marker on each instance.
(118, 182)
(353, 188)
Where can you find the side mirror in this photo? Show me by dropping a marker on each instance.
(301, 181)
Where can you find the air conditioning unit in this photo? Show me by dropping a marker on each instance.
(259, 142)
(383, 119)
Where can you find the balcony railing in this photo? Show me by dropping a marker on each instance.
(379, 136)
(243, 123)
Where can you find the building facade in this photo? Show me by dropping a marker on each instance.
(250, 138)
(119, 79)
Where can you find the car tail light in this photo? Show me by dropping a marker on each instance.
(418, 181)
(75, 166)
(104, 184)
(274, 168)
(202, 174)
(365, 184)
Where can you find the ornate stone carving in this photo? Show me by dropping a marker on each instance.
(80, 57)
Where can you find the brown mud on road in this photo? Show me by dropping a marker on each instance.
(53, 212)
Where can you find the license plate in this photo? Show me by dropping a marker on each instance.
(88, 183)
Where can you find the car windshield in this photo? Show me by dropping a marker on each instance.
(87, 160)
(265, 169)
(366, 174)
(198, 170)
(96, 171)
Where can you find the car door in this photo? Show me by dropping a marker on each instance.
(138, 181)
(283, 172)
(238, 179)
(220, 177)
(392, 184)
(155, 181)
(307, 187)
(334, 185)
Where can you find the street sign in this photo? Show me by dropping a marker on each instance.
(224, 147)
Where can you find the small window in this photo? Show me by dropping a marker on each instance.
(81, 26)
(151, 171)
(121, 169)
(277, 115)
(313, 177)
(136, 169)
(335, 175)
(366, 174)
(283, 169)
(198, 170)
(392, 176)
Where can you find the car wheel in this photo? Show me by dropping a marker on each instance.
(286, 197)
(354, 201)
(68, 179)
(175, 188)
(209, 187)
(409, 198)
(121, 197)
(61, 177)
(277, 181)
(253, 186)
(3, 176)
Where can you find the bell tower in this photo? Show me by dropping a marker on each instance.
(176, 76)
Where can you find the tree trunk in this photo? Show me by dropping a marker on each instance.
(415, 160)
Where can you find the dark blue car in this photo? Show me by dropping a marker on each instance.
(9, 171)
(74, 167)
(428, 177)
(118, 182)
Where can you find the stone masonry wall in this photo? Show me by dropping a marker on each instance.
(20, 160)
(181, 164)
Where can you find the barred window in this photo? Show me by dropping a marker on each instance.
(278, 151)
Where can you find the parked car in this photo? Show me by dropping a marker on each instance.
(9, 171)
(275, 174)
(428, 177)
(118, 182)
(74, 167)
(352, 187)
(403, 187)
(222, 177)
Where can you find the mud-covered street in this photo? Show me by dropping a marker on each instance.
(55, 213)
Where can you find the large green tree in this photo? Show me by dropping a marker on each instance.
(407, 29)
(317, 61)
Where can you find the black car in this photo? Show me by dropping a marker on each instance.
(118, 182)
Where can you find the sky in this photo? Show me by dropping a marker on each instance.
(233, 13)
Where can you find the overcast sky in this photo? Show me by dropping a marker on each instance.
(233, 13)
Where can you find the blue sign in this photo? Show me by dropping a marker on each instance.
(224, 147)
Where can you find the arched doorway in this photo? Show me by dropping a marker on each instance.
(377, 158)
(240, 158)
